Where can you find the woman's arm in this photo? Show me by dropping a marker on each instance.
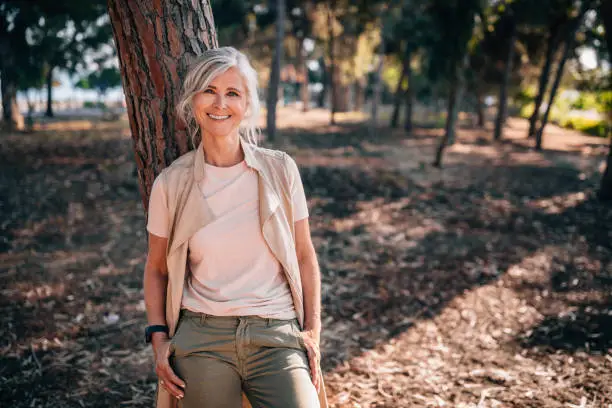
(311, 288)
(155, 285)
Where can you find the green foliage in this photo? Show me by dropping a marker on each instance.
(592, 127)
(101, 81)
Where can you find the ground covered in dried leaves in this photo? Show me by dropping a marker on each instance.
(485, 284)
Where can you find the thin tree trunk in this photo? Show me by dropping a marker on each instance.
(569, 44)
(397, 100)
(325, 81)
(332, 63)
(551, 47)
(49, 112)
(452, 111)
(275, 72)
(605, 188)
(551, 97)
(449, 129)
(359, 95)
(155, 43)
(377, 88)
(480, 112)
(304, 69)
(503, 89)
(409, 94)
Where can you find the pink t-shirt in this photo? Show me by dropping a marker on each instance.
(233, 272)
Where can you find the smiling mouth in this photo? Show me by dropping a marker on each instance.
(217, 117)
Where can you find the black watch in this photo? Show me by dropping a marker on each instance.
(149, 330)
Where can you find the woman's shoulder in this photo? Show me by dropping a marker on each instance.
(180, 164)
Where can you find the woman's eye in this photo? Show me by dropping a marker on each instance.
(232, 93)
(209, 91)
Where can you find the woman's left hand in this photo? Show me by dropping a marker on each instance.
(311, 341)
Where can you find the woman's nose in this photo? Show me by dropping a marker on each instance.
(219, 101)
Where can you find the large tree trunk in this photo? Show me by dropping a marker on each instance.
(409, 95)
(503, 88)
(397, 100)
(332, 63)
(155, 42)
(567, 47)
(49, 112)
(276, 68)
(551, 47)
(605, 189)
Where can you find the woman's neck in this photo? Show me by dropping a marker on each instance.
(222, 152)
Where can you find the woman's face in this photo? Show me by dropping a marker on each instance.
(220, 107)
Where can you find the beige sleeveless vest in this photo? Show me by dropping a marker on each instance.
(189, 212)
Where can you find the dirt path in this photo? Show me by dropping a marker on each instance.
(487, 283)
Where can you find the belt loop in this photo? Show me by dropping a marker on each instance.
(268, 321)
(203, 318)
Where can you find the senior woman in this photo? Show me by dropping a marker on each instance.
(231, 284)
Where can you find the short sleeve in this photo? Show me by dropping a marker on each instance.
(159, 219)
(298, 196)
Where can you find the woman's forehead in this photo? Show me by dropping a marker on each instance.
(228, 79)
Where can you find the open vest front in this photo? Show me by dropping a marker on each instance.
(189, 212)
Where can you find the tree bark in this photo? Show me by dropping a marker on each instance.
(275, 72)
(155, 43)
(332, 63)
(397, 101)
(409, 95)
(49, 112)
(551, 47)
(605, 188)
(503, 89)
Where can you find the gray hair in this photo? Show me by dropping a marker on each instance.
(200, 74)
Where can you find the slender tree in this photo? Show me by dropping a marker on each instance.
(155, 43)
(605, 12)
(331, 74)
(568, 46)
(399, 95)
(503, 88)
(274, 82)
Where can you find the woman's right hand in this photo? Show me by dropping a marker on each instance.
(168, 379)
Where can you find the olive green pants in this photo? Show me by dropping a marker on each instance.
(218, 357)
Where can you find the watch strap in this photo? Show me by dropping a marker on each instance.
(149, 330)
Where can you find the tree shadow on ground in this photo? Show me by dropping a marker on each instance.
(391, 253)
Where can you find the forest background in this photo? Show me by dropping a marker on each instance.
(456, 156)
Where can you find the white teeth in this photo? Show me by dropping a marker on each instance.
(218, 117)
